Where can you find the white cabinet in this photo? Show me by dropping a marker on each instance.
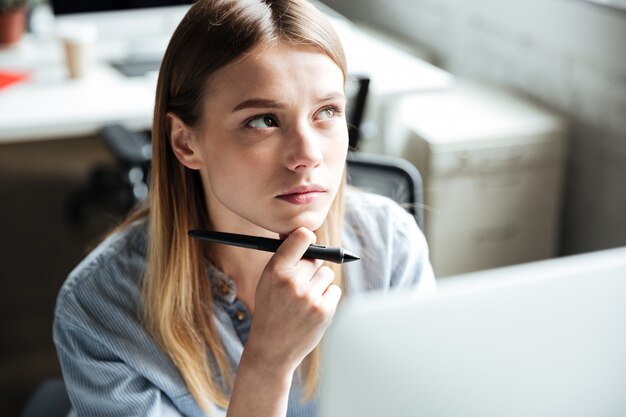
(492, 166)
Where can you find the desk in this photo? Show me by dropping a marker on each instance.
(49, 105)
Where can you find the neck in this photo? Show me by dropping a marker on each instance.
(244, 267)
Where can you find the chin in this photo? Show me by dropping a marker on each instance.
(310, 220)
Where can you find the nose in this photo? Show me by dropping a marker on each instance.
(303, 148)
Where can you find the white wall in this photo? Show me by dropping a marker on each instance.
(568, 54)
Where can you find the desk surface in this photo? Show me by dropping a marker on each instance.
(49, 105)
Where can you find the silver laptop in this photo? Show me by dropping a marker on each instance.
(545, 339)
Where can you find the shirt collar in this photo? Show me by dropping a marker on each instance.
(223, 288)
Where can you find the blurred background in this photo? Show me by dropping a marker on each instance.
(514, 113)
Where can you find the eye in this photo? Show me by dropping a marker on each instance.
(328, 113)
(262, 122)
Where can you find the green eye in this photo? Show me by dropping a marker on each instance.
(328, 113)
(263, 122)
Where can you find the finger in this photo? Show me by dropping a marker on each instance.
(292, 249)
(331, 298)
(321, 280)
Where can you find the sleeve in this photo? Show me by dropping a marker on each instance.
(99, 383)
(409, 259)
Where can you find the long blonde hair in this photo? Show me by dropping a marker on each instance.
(177, 296)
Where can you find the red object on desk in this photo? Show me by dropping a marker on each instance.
(10, 77)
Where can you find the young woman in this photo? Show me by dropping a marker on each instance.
(249, 137)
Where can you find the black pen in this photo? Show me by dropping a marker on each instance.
(336, 255)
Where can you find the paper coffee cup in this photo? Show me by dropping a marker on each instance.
(79, 42)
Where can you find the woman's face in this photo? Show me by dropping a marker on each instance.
(273, 140)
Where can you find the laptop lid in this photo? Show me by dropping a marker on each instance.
(543, 339)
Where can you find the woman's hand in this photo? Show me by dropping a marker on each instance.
(294, 304)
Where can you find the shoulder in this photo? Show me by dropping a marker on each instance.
(392, 248)
(109, 276)
(106, 353)
(376, 214)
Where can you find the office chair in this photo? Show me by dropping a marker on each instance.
(114, 189)
(50, 399)
(392, 177)
(357, 88)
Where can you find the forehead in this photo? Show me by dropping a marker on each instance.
(278, 71)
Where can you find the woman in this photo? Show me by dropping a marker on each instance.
(249, 137)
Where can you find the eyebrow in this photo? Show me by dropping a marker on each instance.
(332, 96)
(256, 103)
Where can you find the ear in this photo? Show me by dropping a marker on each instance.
(184, 142)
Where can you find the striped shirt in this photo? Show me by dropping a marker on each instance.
(112, 366)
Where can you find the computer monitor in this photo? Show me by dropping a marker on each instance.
(123, 18)
(81, 6)
(542, 339)
(131, 33)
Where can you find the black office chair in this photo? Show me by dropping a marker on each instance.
(50, 399)
(357, 89)
(392, 177)
(112, 190)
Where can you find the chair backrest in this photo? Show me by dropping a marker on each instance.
(393, 177)
(49, 399)
(357, 88)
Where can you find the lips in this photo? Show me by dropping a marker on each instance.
(302, 194)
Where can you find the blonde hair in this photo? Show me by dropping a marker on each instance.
(177, 296)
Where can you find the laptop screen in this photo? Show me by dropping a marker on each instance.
(542, 339)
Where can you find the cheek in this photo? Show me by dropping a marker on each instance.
(335, 154)
(236, 173)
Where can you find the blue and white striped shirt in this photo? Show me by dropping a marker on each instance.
(112, 366)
